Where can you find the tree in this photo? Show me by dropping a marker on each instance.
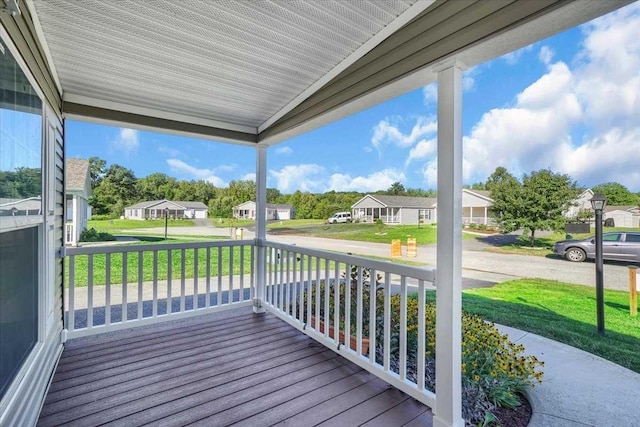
(97, 168)
(116, 190)
(535, 204)
(157, 186)
(396, 189)
(617, 194)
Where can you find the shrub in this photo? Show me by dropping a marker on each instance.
(482, 227)
(91, 235)
(379, 221)
(494, 370)
(473, 226)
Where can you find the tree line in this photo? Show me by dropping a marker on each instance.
(116, 187)
(535, 202)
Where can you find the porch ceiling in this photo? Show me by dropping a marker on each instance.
(264, 70)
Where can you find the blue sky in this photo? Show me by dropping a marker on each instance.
(570, 103)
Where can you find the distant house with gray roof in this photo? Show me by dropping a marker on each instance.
(247, 210)
(155, 209)
(420, 210)
(77, 194)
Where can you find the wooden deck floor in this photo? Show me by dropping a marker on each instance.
(232, 368)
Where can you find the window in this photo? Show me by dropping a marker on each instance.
(612, 237)
(632, 237)
(21, 218)
(424, 214)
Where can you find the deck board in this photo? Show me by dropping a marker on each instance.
(233, 369)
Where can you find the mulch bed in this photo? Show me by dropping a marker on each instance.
(517, 417)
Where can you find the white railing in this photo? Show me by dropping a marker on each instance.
(308, 289)
(115, 287)
(69, 234)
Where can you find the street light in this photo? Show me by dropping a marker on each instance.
(598, 202)
(166, 220)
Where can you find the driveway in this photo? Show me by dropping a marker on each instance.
(480, 268)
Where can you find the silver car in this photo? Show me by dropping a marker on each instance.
(616, 246)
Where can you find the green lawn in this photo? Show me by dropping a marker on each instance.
(562, 312)
(110, 225)
(99, 264)
(294, 223)
(376, 233)
(231, 222)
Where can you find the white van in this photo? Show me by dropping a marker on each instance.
(340, 217)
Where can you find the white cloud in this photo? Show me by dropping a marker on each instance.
(389, 134)
(171, 152)
(304, 177)
(284, 150)
(430, 93)
(512, 58)
(422, 150)
(582, 120)
(546, 54)
(127, 141)
(249, 177)
(376, 181)
(209, 175)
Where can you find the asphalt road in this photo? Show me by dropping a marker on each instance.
(480, 268)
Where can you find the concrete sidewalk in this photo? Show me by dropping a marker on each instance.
(579, 388)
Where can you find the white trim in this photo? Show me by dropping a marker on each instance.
(152, 112)
(43, 43)
(370, 197)
(261, 228)
(365, 48)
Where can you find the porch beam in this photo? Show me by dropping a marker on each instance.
(261, 227)
(448, 410)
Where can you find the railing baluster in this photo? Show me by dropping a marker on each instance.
(195, 278)
(241, 294)
(281, 283)
(403, 328)
(219, 294)
(387, 321)
(207, 302)
(301, 287)
(421, 335)
(125, 310)
(309, 292)
(182, 280)
(270, 281)
(347, 306)
(140, 285)
(287, 287)
(326, 319)
(169, 284)
(336, 303)
(294, 285)
(154, 308)
(373, 294)
(359, 304)
(72, 294)
(317, 286)
(231, 271)
(107, 295)
(90, 292)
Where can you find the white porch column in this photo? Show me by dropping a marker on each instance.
(448, 410)
(261, 227)
(470, 214)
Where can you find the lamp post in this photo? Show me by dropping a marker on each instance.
(166, 221)
(598, 202)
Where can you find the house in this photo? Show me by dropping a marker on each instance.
(247, 210)
(249, 73)
(580, 204)
(413, 210)
(622, 216)
(155, 209)
(77, 194)
(29, 206)
(395, 209)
